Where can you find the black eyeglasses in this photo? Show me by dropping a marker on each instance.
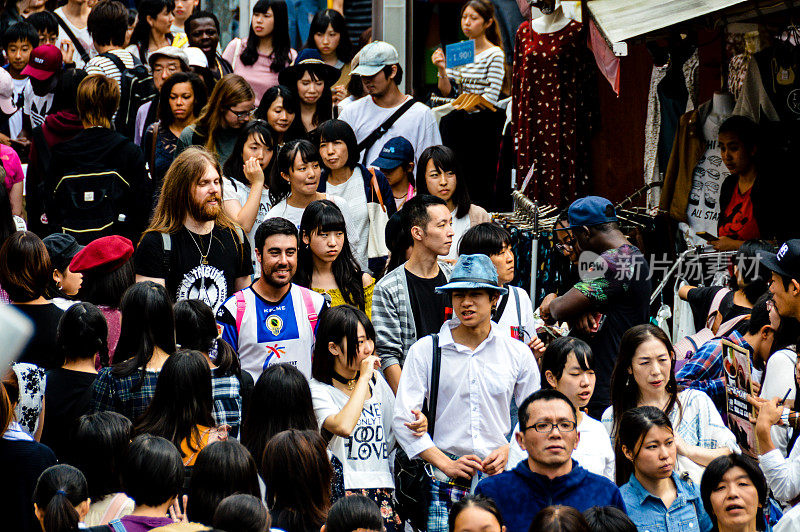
(566, 246)
(545, 427)
(242, 114)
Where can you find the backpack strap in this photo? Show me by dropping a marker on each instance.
(117, 526)
(313, 318)
(436, 370)
(166, 241)
(153, 144)
(717, 301)
(241, 306)
(117, 62)
(114, 507)
(78, 46)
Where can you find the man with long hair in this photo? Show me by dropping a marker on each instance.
(191, 246)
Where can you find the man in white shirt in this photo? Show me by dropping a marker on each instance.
(381, 74)
(482, 368)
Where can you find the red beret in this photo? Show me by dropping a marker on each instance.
(103, 255)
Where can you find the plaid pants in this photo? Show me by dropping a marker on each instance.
(443, 496)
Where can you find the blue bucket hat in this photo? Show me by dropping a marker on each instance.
(471, 272)
(589, 211)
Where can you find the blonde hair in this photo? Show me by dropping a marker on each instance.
(97, 100)
(229, 91)
(176, 191)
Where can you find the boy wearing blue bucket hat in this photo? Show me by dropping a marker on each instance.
(481, 369)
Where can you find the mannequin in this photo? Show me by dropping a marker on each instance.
(551, 105)
(722, 103)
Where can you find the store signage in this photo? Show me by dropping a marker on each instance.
(460, 53)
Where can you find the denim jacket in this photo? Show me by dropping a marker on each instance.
(685, 514)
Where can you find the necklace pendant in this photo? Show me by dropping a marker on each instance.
(351, 384)
(204, 261)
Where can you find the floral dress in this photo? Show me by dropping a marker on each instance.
(31, 380)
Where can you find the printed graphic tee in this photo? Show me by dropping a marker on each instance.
(703, 209)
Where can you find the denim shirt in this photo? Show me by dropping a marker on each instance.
(685, 514)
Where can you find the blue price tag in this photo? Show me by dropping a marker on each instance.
(460, 53)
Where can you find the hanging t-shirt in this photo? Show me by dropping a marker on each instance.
(352, 191)
(738, 221)
(187, 276)
(82, 34)
(429, 308)
(365, 453)
(271, 332)
(239, 191)
(36, 107)
(703, 209)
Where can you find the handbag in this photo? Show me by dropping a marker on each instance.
(412, 482)
(378, 218)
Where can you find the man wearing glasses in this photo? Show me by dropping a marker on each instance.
(548, 432)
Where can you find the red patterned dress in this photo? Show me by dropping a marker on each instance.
(551, 112)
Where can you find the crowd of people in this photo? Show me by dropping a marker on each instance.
(263, 297)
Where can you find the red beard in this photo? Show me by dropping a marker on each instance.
(205, 212)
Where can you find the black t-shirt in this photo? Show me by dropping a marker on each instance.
(22, 463)
(622, 296)
(430, 308)
(701, 298)
(41, 350)
(67, 397)
(185, 276)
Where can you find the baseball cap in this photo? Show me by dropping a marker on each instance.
(786, 261)
(374, 57)
(591, 210)
(45, 61)
(62, 248)
(173, 52)
(395, 152)
(7, 93)
(196, 57)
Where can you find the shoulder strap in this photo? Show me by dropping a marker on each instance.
(114, 507)
(241, 306)
(717, 301)
(375, 188)
(153, 144)
(516, 300)
(436, 370)
(166, 241)
(78, 46)
(116, 60)
(309, 303)
(373, 137)
(117, 526)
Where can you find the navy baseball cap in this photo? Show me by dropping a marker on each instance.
(395, 152)
(786, 262)
(591, 210)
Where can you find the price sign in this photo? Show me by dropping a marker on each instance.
(460, 53)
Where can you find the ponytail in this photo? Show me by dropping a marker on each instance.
(58, 491)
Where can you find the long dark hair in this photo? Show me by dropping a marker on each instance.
(444, 159)
(297, 473)
(107, 288)
(323, 109)
(98, 446)
(624, 390)
(713, 474)
(324, 216)
(59, 489)
(196, 329)
(141, 33)
(333, 130)
(296, 129)
(284, 400)
(336, 325)
(234, 166)
(83, 333)
(281, 44)
(181, 402)
(198, 90)
(221, 469)
(280, 188)
(485, 10)
(334, 19)
(633, 427)
(147, 322)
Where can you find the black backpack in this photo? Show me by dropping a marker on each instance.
(136, 88)
(89, 202)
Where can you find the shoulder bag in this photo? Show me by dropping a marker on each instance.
(365, 145)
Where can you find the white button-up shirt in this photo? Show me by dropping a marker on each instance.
(475, 391)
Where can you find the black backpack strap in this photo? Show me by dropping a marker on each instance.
(372, 138)
(117, 62)
(166, 241)
(78, 46)
(436, 370)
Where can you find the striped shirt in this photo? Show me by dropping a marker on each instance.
(104, 65)
(483, 76)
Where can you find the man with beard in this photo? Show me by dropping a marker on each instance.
(191, 246)
(202, 29)
(273, 321)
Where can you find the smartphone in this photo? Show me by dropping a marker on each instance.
(707, 236)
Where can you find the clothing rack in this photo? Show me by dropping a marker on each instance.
(694, 253)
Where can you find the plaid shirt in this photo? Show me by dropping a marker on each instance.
(703, 371)
(225, 390)
(122, 394)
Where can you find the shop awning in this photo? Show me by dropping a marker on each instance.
(619, 20)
